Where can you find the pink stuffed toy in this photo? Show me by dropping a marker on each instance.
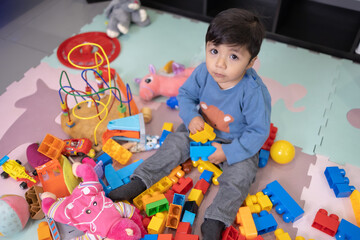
(89, 210)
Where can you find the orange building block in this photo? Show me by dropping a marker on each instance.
(174, 216)
(165, 237)
(247, 226)
(44, 231)
(150, 198)
(51, 146)
(116, 151)
(157, 223)
(205, 135)
(176, 174)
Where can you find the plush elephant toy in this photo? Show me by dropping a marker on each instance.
(121, 13)
(89, 210)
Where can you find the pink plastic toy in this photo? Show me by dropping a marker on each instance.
(154, 84)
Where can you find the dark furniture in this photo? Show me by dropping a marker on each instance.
(328, 26)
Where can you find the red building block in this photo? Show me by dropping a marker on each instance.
(146, 221)
(202, 185)
(165, 237)
(169, 195)
(270, 140)
(230, 233)
(182, 236)
(184, 228)
(183, 186)
(327, 224)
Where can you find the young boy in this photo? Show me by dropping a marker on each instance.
(228, 94)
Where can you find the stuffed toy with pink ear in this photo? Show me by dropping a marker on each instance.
(89, 210)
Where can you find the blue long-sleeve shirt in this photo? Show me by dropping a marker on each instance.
(240, 114)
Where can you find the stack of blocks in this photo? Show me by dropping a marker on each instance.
(338, 182)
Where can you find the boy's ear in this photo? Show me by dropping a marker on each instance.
(251, 63)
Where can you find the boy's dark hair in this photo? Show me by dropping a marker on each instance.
(236, 26)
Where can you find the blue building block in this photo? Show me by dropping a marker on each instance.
(347, 231)
(284, 203)
(173, 103)
(163, 136)
(188, 217)
(105, 158)
(206, 175)
(264, 222)
(179, 199)
(263, 157)
(338, 182)
(201, 150)
(120, 177)
(150, 237)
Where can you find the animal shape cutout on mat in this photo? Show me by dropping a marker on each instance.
(38, 119)
(89, 210)
(155, 84)
(121, 13)
(290, 93)
(353, 117)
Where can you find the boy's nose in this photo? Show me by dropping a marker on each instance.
(220, 62)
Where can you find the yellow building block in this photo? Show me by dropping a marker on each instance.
(116, 151)
(157, 223)
(206, 165)
(281, 235)
(205, 135)
(355, 202)
(168, 127)
(302, 238)
(245, 220)
(196, 195)
(175, 174)
(264, 201)
(251, 202)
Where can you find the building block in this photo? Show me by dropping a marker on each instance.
(202, 185)
(163, 136)
(167, 126)
(196, 195)
(270, 140)
(120, 177)
(116, 151)
(183, 185)
(44, 231)
(176, 174)
(258, 202)
(146, 221)
(172, 102)
(259, 237)
(150, 237)
(338, 182)
(169, 195)
(263, 157)
(206, 165)
(205, 135)
(157, 206)
(187, 166)
(302, 238)
(105, 158)
(281, 235)
(347, 231)
(181, 236)
(284, 203)
(247, 225)
(201, 150)
(157, 223)
(327, 224)
(165, 237)
(206, 175)
(174, 216)
(184, 228)
(355, 202)
(179, 199)
(51, 146)
(264, 222)
(190, 206)
(188, 217)
(230, 233)
(149, 198)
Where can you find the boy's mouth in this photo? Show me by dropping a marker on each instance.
(218, 75)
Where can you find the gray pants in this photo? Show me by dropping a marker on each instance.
(234, 183)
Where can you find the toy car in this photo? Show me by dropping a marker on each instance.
(77, 147)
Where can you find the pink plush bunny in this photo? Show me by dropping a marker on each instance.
(89, 210)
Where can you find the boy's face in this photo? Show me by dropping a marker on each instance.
(227, 64)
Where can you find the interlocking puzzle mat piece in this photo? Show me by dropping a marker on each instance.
(320, 195)
(341, 132)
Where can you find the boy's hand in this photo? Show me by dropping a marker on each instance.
(196, 124)
(218, 156)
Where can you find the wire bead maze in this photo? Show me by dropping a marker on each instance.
(91, 95)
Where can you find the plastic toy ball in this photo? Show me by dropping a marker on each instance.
(282, 152)
(14, 214)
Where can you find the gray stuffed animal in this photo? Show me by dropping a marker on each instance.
(123, 12)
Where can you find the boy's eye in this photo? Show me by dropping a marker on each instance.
(233, 57)
(213, 51)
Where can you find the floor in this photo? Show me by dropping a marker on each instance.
(315, 100)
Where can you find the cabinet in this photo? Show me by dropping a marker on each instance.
(328, 26)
